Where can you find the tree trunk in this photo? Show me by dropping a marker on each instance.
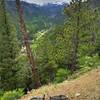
(75, 41)
(28, 49)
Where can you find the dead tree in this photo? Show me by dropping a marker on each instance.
(27, 45)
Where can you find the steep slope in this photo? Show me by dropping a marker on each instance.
(86, 87)
(37, 17)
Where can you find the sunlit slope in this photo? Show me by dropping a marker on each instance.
(86, 87)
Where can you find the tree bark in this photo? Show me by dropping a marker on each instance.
(35, 73)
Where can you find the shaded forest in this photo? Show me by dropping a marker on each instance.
(47, 44)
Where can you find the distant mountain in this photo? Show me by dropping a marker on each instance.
(37, 17)
(96, 3)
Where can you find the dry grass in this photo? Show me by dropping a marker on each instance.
(87, 86)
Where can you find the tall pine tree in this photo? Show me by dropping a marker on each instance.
(8, 52)
(81, 28)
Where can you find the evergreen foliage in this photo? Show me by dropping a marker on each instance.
(59, 50)
(8, 52)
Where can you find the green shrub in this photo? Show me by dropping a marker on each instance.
(61, 75)
(88, 62)
(1, 93)
(12, 95)
(99, 98)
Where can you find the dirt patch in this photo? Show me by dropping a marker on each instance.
(86, 87)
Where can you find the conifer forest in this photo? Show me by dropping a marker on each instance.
(49, 49)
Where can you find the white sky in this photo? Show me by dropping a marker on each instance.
(41, 2)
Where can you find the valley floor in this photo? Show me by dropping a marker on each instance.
(86, 87)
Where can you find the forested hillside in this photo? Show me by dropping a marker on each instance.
(96, 2)
(37, 17)
(47, 44)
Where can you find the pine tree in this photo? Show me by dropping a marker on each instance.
(73, 11)
(8, 52)
(82, 30)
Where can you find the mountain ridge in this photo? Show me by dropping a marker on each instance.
(37, 17)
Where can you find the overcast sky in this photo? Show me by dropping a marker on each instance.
(41, 2)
